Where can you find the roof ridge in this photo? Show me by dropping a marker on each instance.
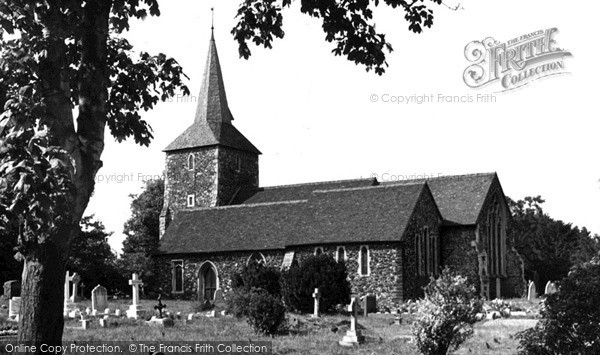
(243, 205)
(371, 187)
(311, 183)
(442, 177)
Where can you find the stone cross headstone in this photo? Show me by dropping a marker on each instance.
(14, 307)
(531, 292)
(99, 298)
(353, 335)
(550, 288)
(159, 307)
(68, 304)
(317, 297)
(75, 279)
(134, 309)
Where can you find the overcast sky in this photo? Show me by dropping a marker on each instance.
(315, 117)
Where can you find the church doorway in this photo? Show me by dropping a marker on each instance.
(208, 282)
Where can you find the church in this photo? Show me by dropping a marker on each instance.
(392, 236)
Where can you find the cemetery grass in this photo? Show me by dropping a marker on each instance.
(310, 336)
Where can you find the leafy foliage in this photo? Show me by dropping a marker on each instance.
(266, 312)
(254, 277)
(322, 272)
(549, 247)
(92, 258)
(347, 23)
(446, 315)
(570, 321)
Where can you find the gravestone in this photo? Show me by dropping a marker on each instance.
(99, 298)
(317, 297)
(68, 304)
(14, 307)
(550, 288)
(75, 280)
(531, 292)
(371, 303)
(353, 335)
(218, 296)
(135, 308)
(12, 289)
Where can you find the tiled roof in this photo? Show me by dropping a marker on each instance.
(459, 197)
(296, 192)
(212, 123)
(348, 215)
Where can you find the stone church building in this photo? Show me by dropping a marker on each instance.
(392, 236)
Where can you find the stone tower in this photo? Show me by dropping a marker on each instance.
(211, 161)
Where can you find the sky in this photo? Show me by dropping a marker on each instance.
(317, 117)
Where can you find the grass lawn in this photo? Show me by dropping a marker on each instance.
(307, 335)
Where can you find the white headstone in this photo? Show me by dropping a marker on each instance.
(14, 307)
(75, 279)
(106, 310)
(353, 335)
(317, 297)
(88, 311)
(99, 298)
(550, 288)
(118, 313)
(135, 308)
(531, 292)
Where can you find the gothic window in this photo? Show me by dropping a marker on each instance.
(258, 257)
(191, 201)
(495, 238)
(426, 252)
(238, 163)
(418, 254)
(318, 250)
(340, 254)
(177, 274)
(191, 164)
(363, 261)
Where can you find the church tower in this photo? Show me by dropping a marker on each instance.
(211, 161)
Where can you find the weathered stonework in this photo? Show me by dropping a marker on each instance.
(218, 174)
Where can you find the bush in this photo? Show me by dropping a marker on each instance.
(256, 275)
(446, 315)
(570, 317)
(266, 312)
(322, 272)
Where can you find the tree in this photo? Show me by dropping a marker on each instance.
(92, 258)
(549, 247)
(570, 321)
(347, 23)
(64, 56)
(445, 316)
(142, 230)
(316, 271)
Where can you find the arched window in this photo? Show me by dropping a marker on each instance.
(496, 238)
(258, 257)
(238, 163)
(191, 200)
(177, 276)
(191, 163)
(318, 250)
(363, 261)
(340, 254)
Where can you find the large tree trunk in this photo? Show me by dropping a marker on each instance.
(41, 316)
(41, 320)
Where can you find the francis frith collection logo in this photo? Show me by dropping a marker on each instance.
(514, 63)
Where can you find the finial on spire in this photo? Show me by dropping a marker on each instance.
(212, 18)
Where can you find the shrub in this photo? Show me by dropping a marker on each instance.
(446, 315)
(237, 302)
(256, 275)
(266, 312)
(322, 272)
(570, 317)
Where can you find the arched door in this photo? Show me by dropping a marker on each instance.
(210, 283)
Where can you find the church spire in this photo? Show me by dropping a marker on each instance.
(212, 101)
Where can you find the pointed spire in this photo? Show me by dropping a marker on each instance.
(212, 101)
